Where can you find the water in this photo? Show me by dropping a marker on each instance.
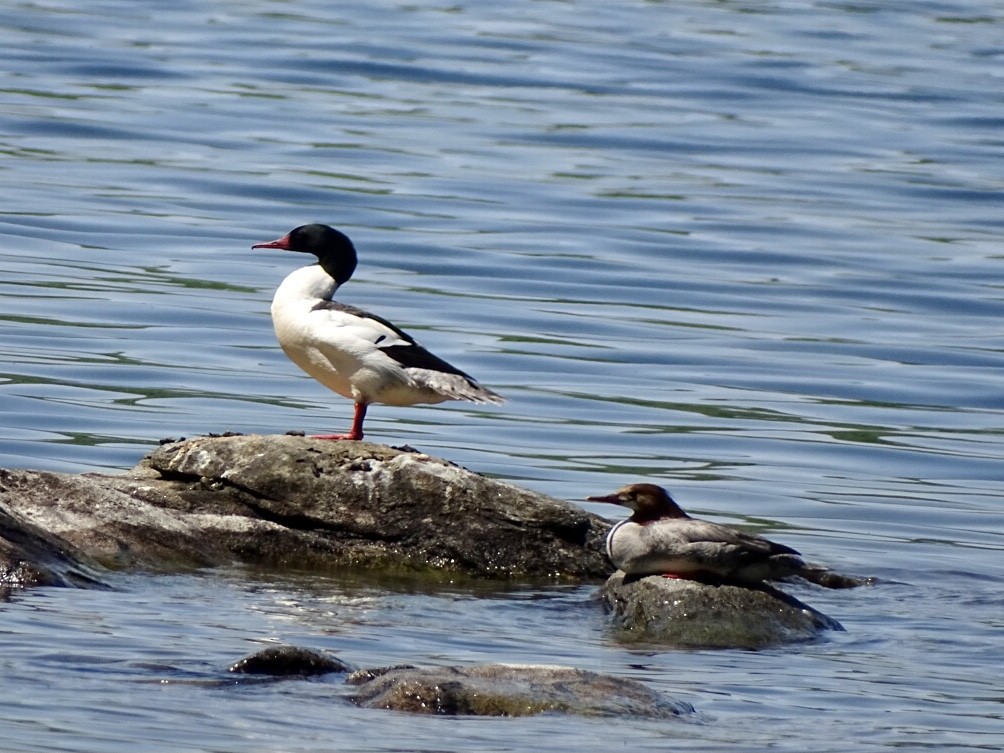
(750, 250)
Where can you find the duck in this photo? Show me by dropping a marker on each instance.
(359, 355)
(661, 539)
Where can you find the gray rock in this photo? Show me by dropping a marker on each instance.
(687, 613)
(508, 690)
(285, 501)
(31, 556)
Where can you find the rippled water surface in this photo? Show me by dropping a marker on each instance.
(750, 250)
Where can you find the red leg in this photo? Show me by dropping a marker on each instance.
(356, 432)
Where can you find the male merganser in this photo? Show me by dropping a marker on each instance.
(661, 539)
(357, 354)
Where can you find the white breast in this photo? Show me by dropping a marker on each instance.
(339, 348)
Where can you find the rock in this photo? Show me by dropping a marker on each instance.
(286, 501)
(110, 519)
(481, 690)
(29, 556)
(508, 690)
(699, 615)
(286, 661)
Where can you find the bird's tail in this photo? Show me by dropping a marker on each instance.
(481, 394)
(823, 576)
(443, 385)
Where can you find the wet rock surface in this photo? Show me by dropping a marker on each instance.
(508, 690)
(288, 661)
(478, 690)
(286, 501)
(691, 614)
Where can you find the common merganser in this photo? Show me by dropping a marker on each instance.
(661, 539)
(357, 354)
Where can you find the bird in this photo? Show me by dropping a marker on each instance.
(661, 539)
(357, 354)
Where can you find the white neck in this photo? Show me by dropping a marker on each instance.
(305, 284)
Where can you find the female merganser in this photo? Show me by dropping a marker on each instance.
(661, 539)
(357, 354)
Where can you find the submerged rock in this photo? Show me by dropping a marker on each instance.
(508, 690)
(285, 501)
(480, 690)
(287, 661)
(691, 614)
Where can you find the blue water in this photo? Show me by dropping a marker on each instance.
(749, 250)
